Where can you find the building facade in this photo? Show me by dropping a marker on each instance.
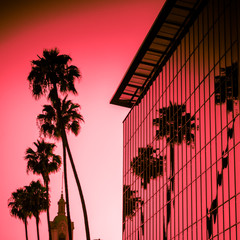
(59, 227)
(181, 137)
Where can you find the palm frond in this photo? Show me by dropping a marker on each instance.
(52, 71)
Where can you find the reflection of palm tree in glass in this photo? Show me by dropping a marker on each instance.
(226, 86)
(43, 161)
(19, 207)
(131, 204)
(226, 90)
(37, 201)
(52, 76)
(176, 125)
(51, 127)
(146, 166)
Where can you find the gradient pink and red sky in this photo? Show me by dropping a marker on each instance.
(102, 37)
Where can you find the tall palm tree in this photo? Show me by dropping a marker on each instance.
(43, 162)
(176, 125)
(38, 200)
(50, 126)
(52, 76)
(19, 205)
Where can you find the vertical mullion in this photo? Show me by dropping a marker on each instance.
(204, 104)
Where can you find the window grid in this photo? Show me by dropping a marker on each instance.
(187, 173)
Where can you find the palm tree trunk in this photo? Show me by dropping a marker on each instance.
(37, 225)
(65, 145)
(172, 164)
(48, 215)
(66, 191)
(79, 187)
(26, 232)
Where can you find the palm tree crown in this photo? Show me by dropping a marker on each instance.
(19, 206)
(19, 203)
(52, 72)
(70, 119)
(42, 161)
(38, 200)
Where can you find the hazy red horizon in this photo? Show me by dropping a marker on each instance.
(102, 37)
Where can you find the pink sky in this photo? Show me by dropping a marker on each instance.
(102, 38)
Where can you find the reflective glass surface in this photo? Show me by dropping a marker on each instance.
(182, 140)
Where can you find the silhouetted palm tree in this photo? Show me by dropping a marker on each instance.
(43, 162)
(37, 200)
(176, 125)
(51, 75)
(146, 166)
(51, 127)
(19, 206)
(131, 204)
(226, 91)
(226, 86)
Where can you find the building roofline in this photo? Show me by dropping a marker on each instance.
(176, 16)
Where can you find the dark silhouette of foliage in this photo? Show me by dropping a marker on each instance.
(19, 203)
(225, 158)
(52, 76)
(164, 231)
(38, 201)
(130, 204)
(219, 179)
(209, 224)
(168, 204)
(226, 90)
(230, 131)
(146, 166)
(214, 209)
(43, 162)
(211, 216)
(226, 86)
(142, 219)
(175, 124)
(50, 124)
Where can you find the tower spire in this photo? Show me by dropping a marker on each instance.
(62, 184)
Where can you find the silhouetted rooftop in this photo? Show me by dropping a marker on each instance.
(170, 26)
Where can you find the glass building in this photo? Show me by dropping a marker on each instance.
(181, 137)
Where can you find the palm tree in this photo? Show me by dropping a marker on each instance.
(130, 205)
(37, 200)
(50, 126)
(51, 75)
(43, 162)
(146, 165)
(19, 205)
(176, 125)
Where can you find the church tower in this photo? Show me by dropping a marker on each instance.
(59, 228)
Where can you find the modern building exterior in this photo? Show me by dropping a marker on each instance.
(181, 137)
(59, 227)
